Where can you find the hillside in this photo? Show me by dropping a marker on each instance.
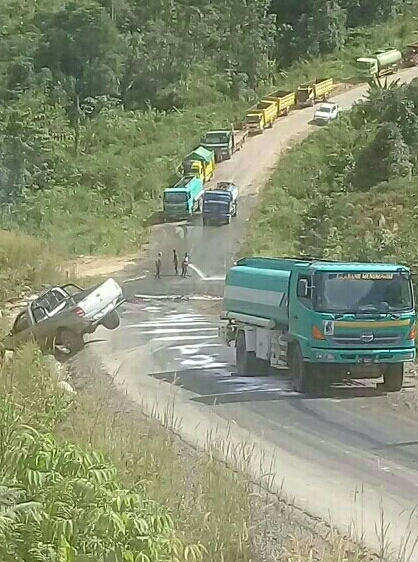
(355, 194)
(99, 100)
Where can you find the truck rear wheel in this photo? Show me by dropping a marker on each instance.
(301, 372)
(248, 364)
(393, 377)
(70, 341)
(112, 320)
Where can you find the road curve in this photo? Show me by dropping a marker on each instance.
(345, 456)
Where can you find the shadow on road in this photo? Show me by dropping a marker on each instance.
(214, 387)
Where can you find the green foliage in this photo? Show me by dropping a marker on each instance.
(24, 262)
(355, 193)
(62, 502)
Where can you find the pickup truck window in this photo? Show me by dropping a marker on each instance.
(21, 323)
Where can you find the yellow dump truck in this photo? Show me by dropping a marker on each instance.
(311, 92)
(261, 116)
(200, 163)
(284, 100)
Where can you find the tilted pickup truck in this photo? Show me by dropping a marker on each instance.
(59, 318)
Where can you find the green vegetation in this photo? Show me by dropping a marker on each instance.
(87, 478)
(25, 262)
(349, 190)
(60, 500)
(99, 100)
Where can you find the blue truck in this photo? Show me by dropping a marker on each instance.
(323, 320)
(220, 204)
(183, 199)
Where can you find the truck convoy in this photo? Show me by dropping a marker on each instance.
(283, 99)
(224, 142)
(260, 116)
(200, 163)
(384, 61)
(183, 199)
(311, 92)
(220, 204)
(323, 320)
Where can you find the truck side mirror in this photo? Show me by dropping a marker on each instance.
(303, 288)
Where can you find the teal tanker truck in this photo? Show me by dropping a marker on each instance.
(384, 61)
(323, 320)
(183, 199)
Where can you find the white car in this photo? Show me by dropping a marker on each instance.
(326, 112)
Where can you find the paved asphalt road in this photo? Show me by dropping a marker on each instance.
(343, 455)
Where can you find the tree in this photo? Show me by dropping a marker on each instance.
(386, 156)
(326, 28)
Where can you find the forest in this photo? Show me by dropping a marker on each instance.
(99, 98)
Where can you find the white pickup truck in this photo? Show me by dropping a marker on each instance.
(59, 318)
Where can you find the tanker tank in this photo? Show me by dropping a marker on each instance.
(259, 287)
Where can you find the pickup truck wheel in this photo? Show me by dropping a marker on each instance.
(71, 341)
(248, 365)
(393, 377)
(111, 321)
(228, 220)
(301, 372)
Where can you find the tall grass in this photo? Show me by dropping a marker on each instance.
(25, 262)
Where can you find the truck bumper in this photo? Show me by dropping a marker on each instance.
(217, 219)
(361, 356)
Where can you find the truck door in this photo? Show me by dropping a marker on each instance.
(300, 304)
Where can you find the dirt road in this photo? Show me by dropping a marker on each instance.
(343, 459)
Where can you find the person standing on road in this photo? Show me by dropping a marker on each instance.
(175, 262)
(158, 266)
(185, 265)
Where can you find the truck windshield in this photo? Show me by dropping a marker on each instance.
(253, 118)
(216, 138)
(175, 197)
(363, 292)
(363, 64)
(190, 168)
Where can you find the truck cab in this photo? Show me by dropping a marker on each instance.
(183, 199)
(221, 142)
(367, 67)
(220, 204)
(255, 122)
(322, 320)
(200, 163)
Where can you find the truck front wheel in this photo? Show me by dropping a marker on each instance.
(300, 371)
(248, 364)
(393, 377)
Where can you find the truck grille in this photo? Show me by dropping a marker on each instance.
(351, 339)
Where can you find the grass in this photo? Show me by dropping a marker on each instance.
(25, 262)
